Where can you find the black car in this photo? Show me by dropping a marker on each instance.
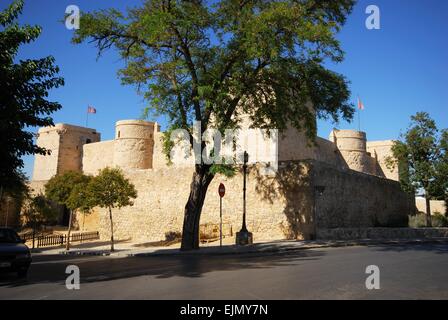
(15, 256)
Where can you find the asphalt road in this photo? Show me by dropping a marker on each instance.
(406, 272)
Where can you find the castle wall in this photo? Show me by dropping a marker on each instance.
(278, 207)
(159, 160)
(162, 195)
(98, 156)
(381, 150)
(352, 199)
(293, 145)
(327, 152)
(46, 166)
(436, 206)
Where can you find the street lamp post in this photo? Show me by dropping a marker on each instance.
(244, 237)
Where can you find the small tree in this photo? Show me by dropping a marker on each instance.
(80, 199)
(37, 211)
(63, 189)
(110, 189)
(422, 156)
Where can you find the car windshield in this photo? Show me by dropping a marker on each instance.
(9, 236)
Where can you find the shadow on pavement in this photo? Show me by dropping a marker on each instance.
(428, 247)
(192, 266)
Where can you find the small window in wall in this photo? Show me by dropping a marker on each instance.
(118, 134)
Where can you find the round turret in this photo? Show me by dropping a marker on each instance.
(352, 145)
(134, 142)
(350, 140)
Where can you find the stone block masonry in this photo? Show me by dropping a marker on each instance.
(162, 195)
(278, 207)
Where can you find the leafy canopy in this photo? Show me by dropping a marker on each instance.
(110, 189)
(23, 96)
(67, 189)
(212, 61)
(38, 210)
(423, 153)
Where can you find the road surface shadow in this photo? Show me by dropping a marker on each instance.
(191, 266)
(428, 247)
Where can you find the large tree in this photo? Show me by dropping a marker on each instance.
(422, 156)
(23, 96)
(211, 61)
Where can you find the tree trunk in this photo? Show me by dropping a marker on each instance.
(111, 231)
(193, 209)
(428, 212)
(67, 246)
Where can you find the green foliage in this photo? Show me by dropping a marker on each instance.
(69, 189)
(422, 155)
(438, 220)
(205, 60)
(419, 221)
(24, 91)
(224, 169)
(38, 210)
(80, 198)
(17, 189)
(110, 189)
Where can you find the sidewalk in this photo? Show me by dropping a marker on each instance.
(132, 249)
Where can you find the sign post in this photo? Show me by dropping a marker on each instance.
(222, 192)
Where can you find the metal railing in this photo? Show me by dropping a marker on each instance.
(60, 240)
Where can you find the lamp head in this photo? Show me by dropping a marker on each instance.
(246, 157)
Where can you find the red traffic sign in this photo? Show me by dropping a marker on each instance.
(221, 190)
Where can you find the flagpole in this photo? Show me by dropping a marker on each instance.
(359, 119)
(87, 118)
(359, 114)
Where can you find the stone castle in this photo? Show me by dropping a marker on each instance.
(340, 182)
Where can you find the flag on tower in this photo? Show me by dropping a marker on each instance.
(360, 104)
(91, 109)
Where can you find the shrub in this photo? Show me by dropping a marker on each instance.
(173, 236)
(419, 221)
(439, 220)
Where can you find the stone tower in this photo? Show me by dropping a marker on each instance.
(134, 144)
(66, 145)
(352, 146)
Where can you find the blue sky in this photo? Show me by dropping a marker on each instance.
(397, 71)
